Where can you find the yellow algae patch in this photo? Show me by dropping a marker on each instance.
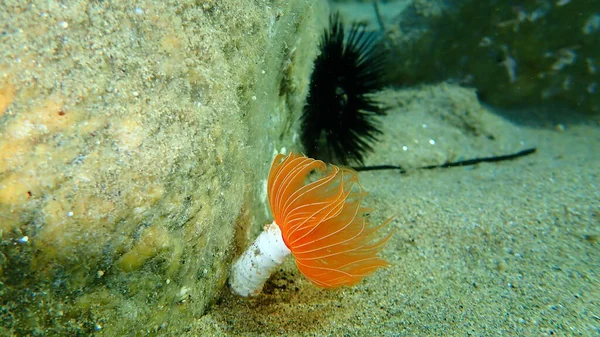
(49, 117)
(88, 213)
(70, 225)
(143, 195)
(20, 128)
(171, 44)
(13, 153)
(40, 172)
(58, 233)
(128, 133)
(7, 95)
(16, 188)
(92, 211)
(93, 123)
(153, 240)
(101, 298)
(13, 194)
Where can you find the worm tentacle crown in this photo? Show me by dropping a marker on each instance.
(320, 221)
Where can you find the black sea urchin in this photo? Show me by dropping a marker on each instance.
(338, 121)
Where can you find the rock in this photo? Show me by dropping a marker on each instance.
(134, 142)
(514, 54)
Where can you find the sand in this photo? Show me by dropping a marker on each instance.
(506, 248)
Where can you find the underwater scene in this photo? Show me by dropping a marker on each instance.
(300, 168)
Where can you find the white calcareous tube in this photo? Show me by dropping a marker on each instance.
(250, 272)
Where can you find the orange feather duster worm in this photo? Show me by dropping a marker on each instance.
(322, 222)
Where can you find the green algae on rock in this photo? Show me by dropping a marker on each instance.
(133, 141)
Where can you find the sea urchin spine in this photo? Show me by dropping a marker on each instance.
(338, 122)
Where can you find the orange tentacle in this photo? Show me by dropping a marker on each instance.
(322, 222)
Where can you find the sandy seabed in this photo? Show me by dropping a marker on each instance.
(500, 249)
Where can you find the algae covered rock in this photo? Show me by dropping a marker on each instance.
(514, 53)
(133, 141)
